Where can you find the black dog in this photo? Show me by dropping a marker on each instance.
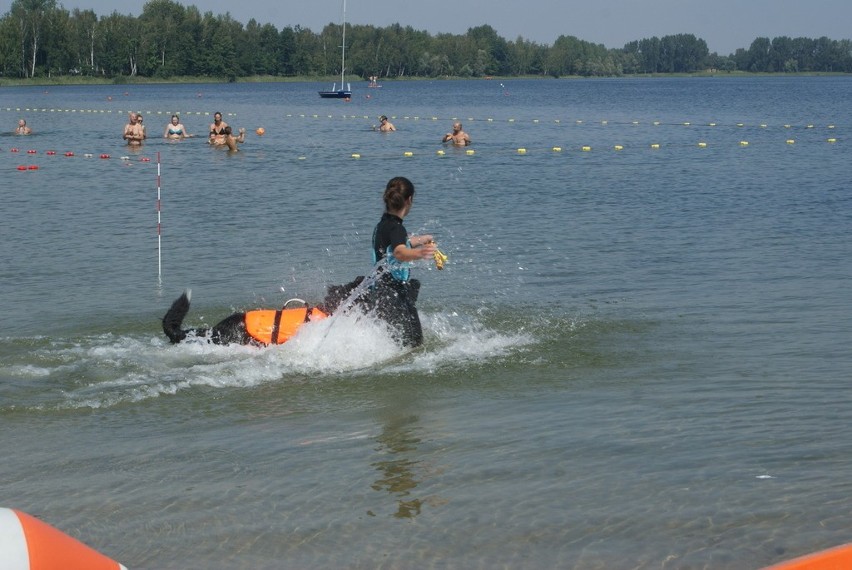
(387, 298)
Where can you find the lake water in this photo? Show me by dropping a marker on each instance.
(636, 357)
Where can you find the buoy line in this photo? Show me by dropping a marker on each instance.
(435, 118)
(51, 156)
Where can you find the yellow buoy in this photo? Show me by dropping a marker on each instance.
(557, 149)
(408, 153)
(712, 124)
(743, 143)
(522, 151)
(791, 141)
(832, 140)
(618, 147)
(356, 155)
(469, 152)
(740, 124)
(702, 144)
(441, 153)
(586, 148)
(655, 145)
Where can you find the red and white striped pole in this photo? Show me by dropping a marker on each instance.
(159, 226)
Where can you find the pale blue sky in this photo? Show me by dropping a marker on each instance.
(724, 24)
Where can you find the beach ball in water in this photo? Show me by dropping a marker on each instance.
(260, 131)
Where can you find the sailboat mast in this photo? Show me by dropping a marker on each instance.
(343, 48)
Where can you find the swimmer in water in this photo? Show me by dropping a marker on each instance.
(231, 141)
(23, 129)
(217, 130)
(458, 137)
(175, 130)
(134, 133)
(385, 126)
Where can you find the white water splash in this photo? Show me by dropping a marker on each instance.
(109, 370)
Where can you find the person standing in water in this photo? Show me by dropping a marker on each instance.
(395, 293)
(231, 140)
(23, 129)
(175, 130)
(458, 137)
(385, 126)
(134, 133)
(217, 130)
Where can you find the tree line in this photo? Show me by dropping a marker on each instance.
(39, 38)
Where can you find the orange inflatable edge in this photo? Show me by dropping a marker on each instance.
(52, 549)
(835, 558)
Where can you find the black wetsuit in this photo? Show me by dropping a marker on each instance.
(395, 294)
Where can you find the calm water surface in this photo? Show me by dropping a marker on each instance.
(635, 358)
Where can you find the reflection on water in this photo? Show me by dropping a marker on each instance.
(399, 441)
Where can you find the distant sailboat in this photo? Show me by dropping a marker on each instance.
(341, 93)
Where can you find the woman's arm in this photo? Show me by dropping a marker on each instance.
(404, 253)
(420, 240)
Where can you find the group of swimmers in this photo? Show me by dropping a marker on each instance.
(457, 136)
(220, 132)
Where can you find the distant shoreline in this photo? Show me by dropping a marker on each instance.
(67, 80)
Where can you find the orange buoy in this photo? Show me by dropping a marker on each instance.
(26, 543)
(31, 151)
(69, 153)
(104, 156)
(22, 167)
(145, 159)
(32, 167)
(50, 152)
(260, 131)
(13, 150)
(830, 559)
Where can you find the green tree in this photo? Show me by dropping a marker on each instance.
(758, 58)
(32, 17)
(82, 39)
(161, 22)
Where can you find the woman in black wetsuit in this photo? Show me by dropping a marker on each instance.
(395, 293)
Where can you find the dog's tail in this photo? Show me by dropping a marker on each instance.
(173, 319)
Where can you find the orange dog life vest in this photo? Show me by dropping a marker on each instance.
(271, 326)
